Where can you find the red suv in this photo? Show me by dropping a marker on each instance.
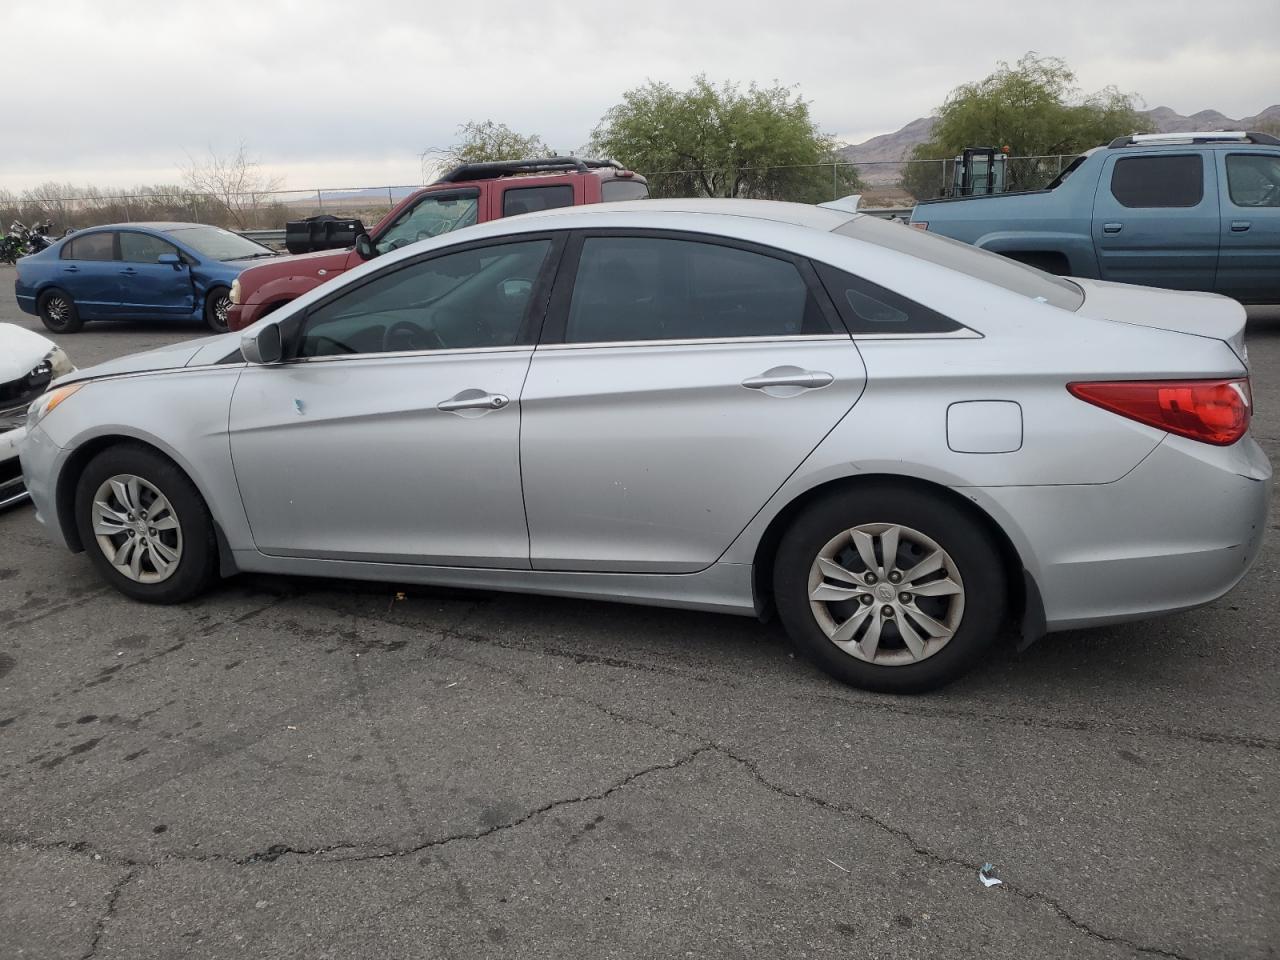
(471, 193)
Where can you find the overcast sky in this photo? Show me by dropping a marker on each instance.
(119, 92)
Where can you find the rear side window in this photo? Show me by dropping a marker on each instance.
(659, 288)
(530, 199)
(963, 258)
(143, 248)
(91, 246)
(1158, 181)
(623, 190)
(867, 308)
(1253, 179)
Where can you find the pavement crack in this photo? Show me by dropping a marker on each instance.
(277, 851)
(113, 900)
(944, 860)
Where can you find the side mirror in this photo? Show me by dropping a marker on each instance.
(365, 247)
(172, 259)
(264, 346)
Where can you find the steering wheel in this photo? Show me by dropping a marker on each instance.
(413, 336)
(1269, 195)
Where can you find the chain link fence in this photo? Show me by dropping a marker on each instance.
(883, 184)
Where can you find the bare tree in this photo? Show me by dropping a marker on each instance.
(234, 182)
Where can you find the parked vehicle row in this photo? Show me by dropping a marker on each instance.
(897, 442)
(139, 271)
(468, 194)
(1186, 211)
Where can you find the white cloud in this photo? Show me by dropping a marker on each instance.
(334, 93)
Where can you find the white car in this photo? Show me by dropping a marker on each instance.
(897, 441)
(28, 364)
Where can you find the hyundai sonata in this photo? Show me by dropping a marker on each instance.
(898, 442)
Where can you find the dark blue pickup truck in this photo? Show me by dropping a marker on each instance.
(1187, 211)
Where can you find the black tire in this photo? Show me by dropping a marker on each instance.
(58, 312)
(971, 548)
(216, 304)
(197, 565)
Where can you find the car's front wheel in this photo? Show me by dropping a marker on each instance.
(145, 526)
(217, 309)
(58, 312)
(890, 589)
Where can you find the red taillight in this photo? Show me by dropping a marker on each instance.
(1212, 411)
(920, 224)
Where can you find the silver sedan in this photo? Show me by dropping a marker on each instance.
(897, 442)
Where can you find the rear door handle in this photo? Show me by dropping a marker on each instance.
(1112, 227)
(1240, 226)
(789, 377)
(474, 400)
(128, 272)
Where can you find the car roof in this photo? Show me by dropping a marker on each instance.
(776, 211)
(163, 226)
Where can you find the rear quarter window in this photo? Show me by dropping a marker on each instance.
(964, 258)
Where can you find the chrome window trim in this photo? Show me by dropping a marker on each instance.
(696, 341)
(964, 333)
(409, 354)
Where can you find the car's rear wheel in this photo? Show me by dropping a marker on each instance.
(145, 526)
(889, 589)
(217, 308)
(58, 312)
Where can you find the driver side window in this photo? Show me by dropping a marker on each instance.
(458, 301)
(430, 217)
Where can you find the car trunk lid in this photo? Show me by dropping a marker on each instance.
(1181, 311)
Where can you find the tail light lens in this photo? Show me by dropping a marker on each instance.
(920, 224)
(1211, 411)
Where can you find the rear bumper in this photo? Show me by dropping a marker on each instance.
(1179, 531)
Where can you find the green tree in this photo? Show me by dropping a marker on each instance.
(722, 141)
(1035, 109)
(487, 141)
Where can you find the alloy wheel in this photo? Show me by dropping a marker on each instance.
(222, 310)
(137, 528)
(886, 594)
(58, 310)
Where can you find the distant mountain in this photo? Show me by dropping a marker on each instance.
(888, 149)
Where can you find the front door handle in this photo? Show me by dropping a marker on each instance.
(789, 377)
(1112, 227)
(128, 272)
(71, 269)
(1240, 226)
(474, 401)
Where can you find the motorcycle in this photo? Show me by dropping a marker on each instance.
(37, 236)
(12, 245)
(23, 240)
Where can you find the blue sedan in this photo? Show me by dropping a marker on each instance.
(131, 271)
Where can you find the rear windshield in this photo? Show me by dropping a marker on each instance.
(964, 258)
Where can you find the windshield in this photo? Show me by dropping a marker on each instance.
(964, 258)
(430, 217)
(218, 244)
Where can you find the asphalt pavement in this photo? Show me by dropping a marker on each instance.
(315, 769)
